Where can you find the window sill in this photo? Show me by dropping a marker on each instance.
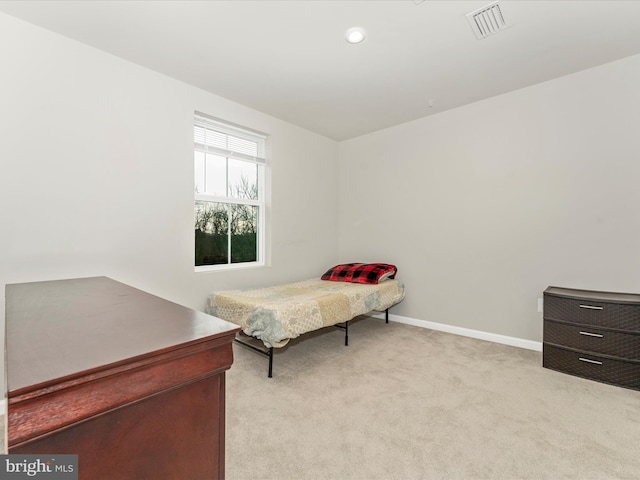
(228, 267)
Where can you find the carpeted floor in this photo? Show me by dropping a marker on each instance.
(403, 402)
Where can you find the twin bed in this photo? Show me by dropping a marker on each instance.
(274, 315)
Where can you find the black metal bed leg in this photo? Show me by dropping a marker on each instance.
(386, 315)
(346, 333)
(262, 351)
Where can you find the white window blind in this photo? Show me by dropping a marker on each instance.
(227, 141)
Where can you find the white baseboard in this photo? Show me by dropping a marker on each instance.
(465, 332)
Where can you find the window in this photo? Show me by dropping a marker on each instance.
(229, 165)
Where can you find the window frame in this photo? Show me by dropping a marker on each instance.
(220, 126)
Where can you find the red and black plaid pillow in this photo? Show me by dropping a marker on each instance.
(360, 272)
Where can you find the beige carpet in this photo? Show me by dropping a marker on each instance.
(403, 402)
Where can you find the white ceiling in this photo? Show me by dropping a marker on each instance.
(289, 58)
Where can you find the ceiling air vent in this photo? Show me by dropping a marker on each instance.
(487, 20)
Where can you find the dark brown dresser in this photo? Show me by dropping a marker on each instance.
(594, 335)
(131, 383)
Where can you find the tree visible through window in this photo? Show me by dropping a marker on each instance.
(229, 194)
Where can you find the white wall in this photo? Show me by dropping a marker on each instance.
(482, 207)
(97, 174)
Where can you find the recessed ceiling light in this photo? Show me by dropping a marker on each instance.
(355, 35)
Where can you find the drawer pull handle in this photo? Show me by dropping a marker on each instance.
(591, 307)
(589, 361)
(589, 334)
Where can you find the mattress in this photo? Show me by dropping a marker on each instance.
(279, 313)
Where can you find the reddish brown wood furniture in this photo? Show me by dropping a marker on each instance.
(132, 383)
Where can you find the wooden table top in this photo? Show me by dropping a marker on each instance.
(60, 329)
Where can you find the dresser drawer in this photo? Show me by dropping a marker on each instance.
(593, 339)
(592, 367)
(618, 316)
